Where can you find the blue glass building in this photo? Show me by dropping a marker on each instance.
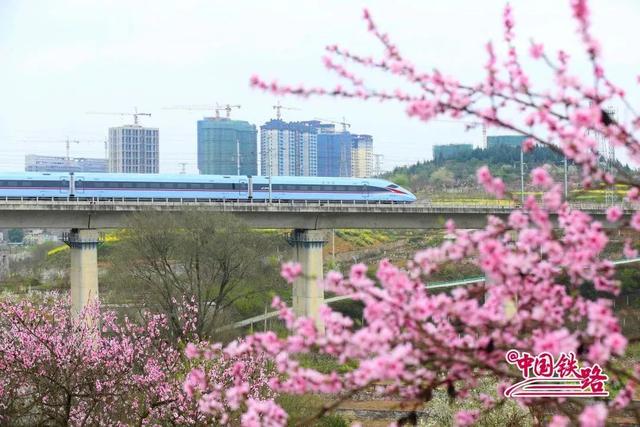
(225, 143)
(334, 154)
(505, 140)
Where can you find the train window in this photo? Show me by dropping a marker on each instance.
(327, 187)
(341, 188)
(154, 185)
(181, 185)
(12, 183)
(195, 185)
(305, 187)
(127, 185)
(141, 185)
(393, 186)
(25, 183)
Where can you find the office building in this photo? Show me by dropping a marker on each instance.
(362, 158)
(134, 149)
(227, 147)
(450, 151)
(36, 163)
(505, 140)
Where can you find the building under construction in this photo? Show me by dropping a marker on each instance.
(227, 147)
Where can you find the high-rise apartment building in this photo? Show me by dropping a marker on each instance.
(362, 159)
(227, 147)
(312, 148)
(291, 148)
(334, 154)
(36, 163)
(134, 149)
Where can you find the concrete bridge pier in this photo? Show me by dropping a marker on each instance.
(308, 293)
(84, 267)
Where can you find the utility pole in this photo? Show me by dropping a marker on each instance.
(333, 246)
(238, 156)
(270, 186)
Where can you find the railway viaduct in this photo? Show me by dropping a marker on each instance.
(85, 219)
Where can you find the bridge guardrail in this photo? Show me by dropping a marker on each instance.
(327, 204)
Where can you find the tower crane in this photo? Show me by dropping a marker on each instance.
(278, 107)
(227, 108)
(135, 115)
(470, 124)
(344, 123)
(206, 107)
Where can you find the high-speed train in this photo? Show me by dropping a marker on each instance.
(195, 187)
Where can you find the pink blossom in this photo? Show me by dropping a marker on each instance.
(559, 421)
(290, 271)
(191, 351)
(466, 417)
(541, 178)
(635, 221)
(593, 416)
(624, 397)
(536, 50)
(628, 250)
(614, 213)
(528, 145)
(555, 342)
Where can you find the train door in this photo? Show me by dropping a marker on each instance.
(63, 187)
(79, 186)
(243, 188)
(365, 190)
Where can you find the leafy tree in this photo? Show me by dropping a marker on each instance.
(16, 235)
(442, 177)
(213, 260)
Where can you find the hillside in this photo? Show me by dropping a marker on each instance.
(454, 177)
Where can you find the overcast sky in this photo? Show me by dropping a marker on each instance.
(61, 59)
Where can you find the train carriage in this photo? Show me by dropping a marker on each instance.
(197, 187)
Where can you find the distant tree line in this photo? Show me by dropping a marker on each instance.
(454, 170)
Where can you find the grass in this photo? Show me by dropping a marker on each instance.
(301, 407)
(363, 238)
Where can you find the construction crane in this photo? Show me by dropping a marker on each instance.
(278, 107)
(470, 124)
(344, 123)
(227, 108)
(206, 107)
(135, 115)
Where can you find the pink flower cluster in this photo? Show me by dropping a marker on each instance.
(414, 341)
(535, 261)
(96, 370)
